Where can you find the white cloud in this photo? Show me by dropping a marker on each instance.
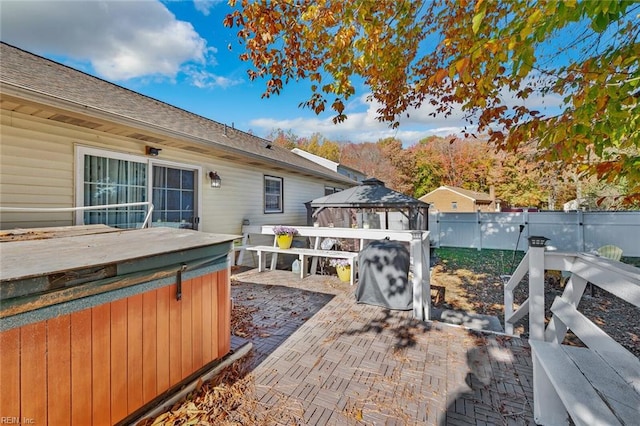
(203, 79)
(205, 6)
(362, 126)
(354, 129)
(546, 104)
(121, 39)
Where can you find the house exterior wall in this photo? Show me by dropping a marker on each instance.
(37, 169)
(351, 173)
(442, 200)
(242, 197)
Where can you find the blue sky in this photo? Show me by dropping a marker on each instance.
(177, 52)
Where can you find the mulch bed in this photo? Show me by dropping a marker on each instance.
(229, 398)
(482, 293)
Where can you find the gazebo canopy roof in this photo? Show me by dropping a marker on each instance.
(371, 194)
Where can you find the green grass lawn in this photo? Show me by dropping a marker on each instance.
(487, 262)
(492, 262)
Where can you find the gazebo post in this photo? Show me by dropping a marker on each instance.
(421, 287)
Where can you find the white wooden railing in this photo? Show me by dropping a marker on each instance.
(418, 248)
(147, 218)
(595, 384)
(617, 278)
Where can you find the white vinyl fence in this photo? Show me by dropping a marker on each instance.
(567, 231)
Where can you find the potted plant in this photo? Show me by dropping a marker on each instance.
(284, 235)
(343, 268)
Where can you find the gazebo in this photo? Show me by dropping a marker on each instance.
(369, 205)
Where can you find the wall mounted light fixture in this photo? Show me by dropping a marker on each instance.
(216, 182)
(152, 151)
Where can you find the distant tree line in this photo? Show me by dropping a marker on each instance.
(519, 179)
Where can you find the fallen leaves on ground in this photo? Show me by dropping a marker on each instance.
(229, 399)
(242, 324)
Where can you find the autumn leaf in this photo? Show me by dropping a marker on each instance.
(462, 65)
(440, 75)
(477, 21)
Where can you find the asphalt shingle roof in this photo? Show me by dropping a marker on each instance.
(371, 194)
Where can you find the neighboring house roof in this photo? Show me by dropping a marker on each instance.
(479, 197)
(25, 76)
(371, 194)
(325, 162)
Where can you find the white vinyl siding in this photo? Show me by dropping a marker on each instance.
(37, 169)
(242, 197)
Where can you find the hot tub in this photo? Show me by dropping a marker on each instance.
(97, 322)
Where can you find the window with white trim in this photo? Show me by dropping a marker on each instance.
(273, 194)
(106, 177)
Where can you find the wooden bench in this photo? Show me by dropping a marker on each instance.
(418, 246)
(596, 385)
(303, 254)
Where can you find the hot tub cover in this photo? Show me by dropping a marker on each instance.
(383, 276)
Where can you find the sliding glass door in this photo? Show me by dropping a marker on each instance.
(114, 181)
(114, 178)
(174, 196)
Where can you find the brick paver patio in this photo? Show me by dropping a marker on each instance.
(337, 362)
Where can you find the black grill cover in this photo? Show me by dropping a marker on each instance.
(383, 276)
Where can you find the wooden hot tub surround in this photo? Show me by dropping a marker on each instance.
(96, 325)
